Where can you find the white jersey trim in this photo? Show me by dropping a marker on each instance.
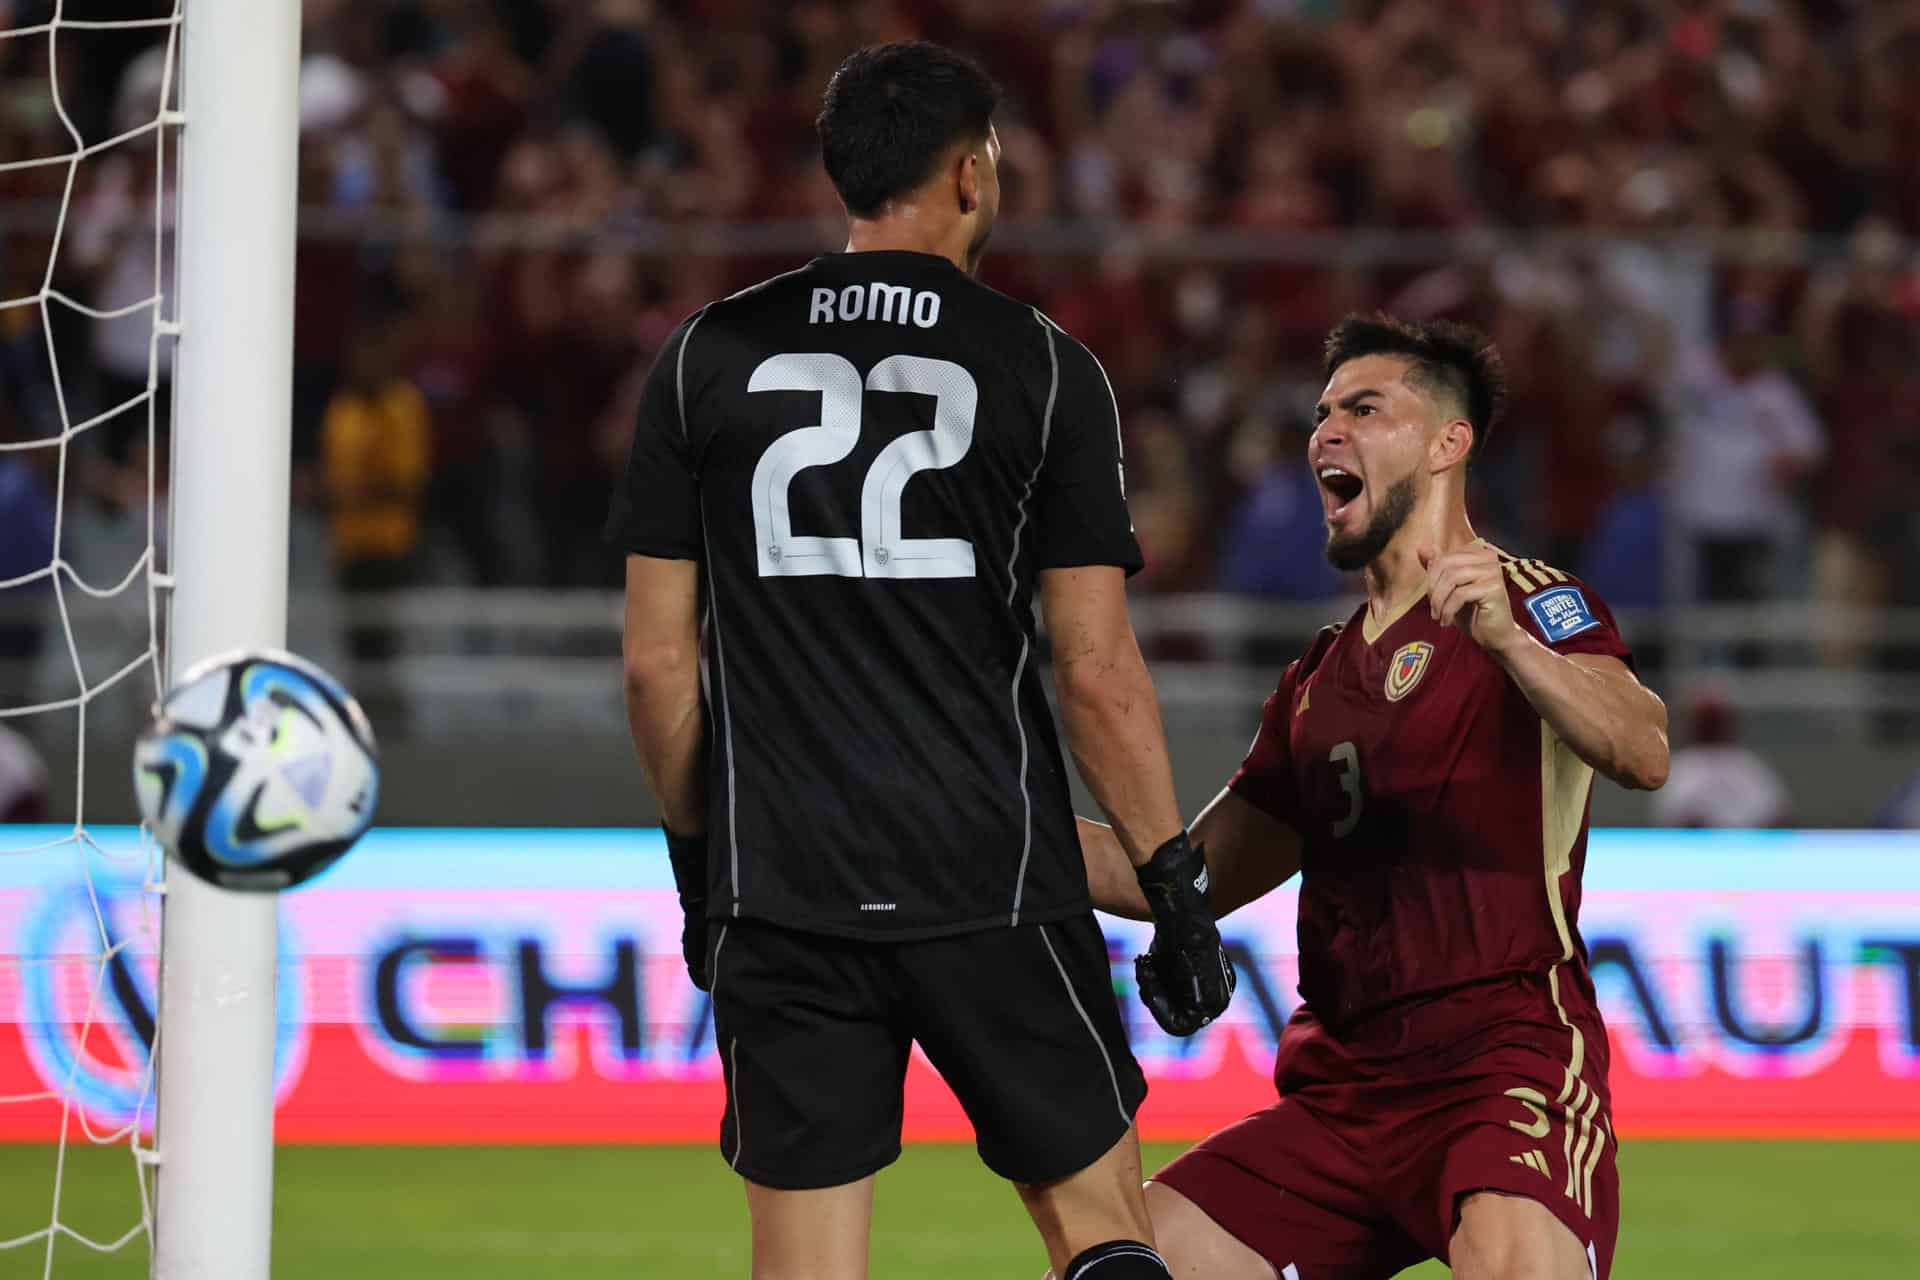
(733, 1055)
(1119, 439)
(1026, 644)
(680, 371)
(1026, 796)
(713, 616)
(767, 283)
(726, 721)
(1046, 434)
(1112, 1077)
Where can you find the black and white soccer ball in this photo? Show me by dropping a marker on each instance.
(258, 772)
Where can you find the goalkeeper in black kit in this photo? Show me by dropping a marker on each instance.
(846, 488)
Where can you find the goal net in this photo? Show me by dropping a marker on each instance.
(88, 152)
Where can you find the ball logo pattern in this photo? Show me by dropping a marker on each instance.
(258, 772)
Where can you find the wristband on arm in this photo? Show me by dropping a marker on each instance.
(688, 854)
(1175, 882)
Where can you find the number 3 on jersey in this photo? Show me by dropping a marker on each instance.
(882, 550)
(1345, 758)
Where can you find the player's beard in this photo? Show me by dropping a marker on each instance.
(1359, 550)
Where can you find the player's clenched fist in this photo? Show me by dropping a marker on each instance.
(1467, 588)
(1185, 979)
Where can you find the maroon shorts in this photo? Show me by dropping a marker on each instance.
(1371, 1184)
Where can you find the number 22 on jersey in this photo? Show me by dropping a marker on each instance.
(882, 550)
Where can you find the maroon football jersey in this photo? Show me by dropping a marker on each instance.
(1444, 824)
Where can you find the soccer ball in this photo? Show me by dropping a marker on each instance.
(258, 771)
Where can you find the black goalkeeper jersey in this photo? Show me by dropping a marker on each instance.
(871, 458)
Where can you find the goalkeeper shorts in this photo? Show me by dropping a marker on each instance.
(815, 1033)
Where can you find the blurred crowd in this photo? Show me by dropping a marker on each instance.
(1689, 224)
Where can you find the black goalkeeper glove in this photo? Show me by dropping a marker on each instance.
(688, 854)
(1186, 978)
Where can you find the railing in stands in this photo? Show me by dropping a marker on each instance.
(461, 657)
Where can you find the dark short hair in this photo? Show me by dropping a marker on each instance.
(892, 111)
(1454, 360)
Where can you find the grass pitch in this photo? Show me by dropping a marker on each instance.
(1757, 1210)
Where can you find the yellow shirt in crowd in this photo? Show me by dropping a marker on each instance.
(377, 450)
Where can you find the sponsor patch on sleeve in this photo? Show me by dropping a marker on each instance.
(1561, 613)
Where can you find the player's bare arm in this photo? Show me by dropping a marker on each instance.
(1112, 720)
(660, 653)
(1594, 703)
(1108, 707)
(660, 657)
(1249, 853)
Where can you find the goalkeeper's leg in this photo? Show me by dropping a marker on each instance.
(814, 1069)
(1095, 1221)
(819, 1234)
(1023, 1025)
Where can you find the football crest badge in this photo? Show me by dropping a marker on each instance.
(1408, 665)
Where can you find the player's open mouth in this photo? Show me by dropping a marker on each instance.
(1339, 487)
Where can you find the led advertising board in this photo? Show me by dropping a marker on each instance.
(481, 986)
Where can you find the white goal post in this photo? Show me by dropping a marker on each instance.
(240, 77)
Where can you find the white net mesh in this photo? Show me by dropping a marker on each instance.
(86, 205)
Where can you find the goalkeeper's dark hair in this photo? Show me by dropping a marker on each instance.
(1452, 363)
(892, 111)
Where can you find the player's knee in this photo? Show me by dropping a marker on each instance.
(1180, 1229)
(1502, 1237)
(1521, 1268)
(1510, 1255)
(1117, 1260)
(1194, 1245)
(1474, 1267)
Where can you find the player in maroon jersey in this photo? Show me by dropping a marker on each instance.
(1426, 768)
